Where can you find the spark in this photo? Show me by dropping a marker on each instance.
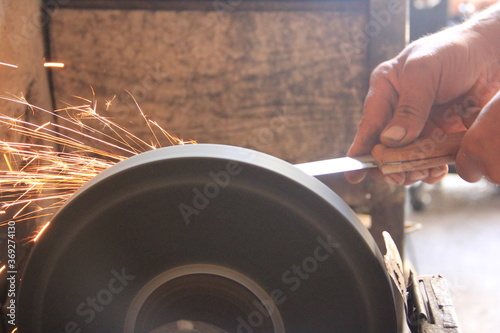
(8, 65)
(54, 64)
(39, 233)
(39, 128)
(6, 158)
(2, 268)
(56, 158)
(109, 102)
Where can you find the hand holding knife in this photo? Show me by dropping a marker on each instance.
(422, 154)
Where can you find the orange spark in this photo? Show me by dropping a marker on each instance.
(8, 65)
(54, 64)
(40, 178)
(41, 231)
(6, 158)
(39, 128)
(109, 102)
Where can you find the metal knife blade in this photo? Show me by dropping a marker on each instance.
(422, 154)
(336, 165)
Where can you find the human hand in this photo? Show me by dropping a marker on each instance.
(479, 154)
(437, 85)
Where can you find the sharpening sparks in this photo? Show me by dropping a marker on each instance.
(55, 159)
(53, 65)
(8, 65)
(41, 231)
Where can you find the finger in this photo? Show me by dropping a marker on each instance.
(479, 153)
(436, 134)
(355, 177)
(468, 166)
(379, 104)
(429, 176)
(417, 93)
(436, 174)
(396, 179)
(418, 175)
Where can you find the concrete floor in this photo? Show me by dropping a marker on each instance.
(460, 239)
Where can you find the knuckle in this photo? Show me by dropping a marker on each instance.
(383, 70)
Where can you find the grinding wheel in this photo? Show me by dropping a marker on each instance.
(224, 237)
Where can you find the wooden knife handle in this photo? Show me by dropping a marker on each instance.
(422, 154)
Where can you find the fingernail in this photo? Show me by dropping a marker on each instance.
(389, 180)
(394, 133)
(437, 172)
(394, 179)
(418, 175)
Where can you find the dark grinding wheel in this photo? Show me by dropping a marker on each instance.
(226, 237)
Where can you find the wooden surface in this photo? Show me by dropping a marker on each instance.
(277, 82)
(217, 5)
(22, 45)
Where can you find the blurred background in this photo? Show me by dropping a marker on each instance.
(457, 234)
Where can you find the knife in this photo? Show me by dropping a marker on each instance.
(422, 154)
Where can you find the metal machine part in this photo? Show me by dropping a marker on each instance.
(430, 308)
(223, 236)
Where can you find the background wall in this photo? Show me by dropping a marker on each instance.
(275, 81)
(21, 44)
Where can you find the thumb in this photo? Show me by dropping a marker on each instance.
(416, 98)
